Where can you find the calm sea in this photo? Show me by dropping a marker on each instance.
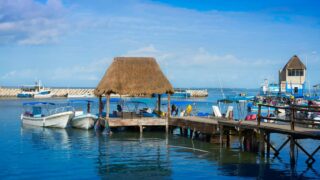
(43, 153)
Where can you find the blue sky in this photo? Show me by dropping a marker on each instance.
(197, 43)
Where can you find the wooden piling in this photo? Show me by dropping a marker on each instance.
(221, 135)
(168, 114)
(268, 144)
(228, 138)
(159, 103)
(100, 106)
(107, 109)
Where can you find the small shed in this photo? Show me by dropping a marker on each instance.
(292, 76)
(133, 76)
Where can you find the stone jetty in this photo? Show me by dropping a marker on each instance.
(58, 92)
(63, 92)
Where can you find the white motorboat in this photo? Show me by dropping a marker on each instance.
(35, 91)
(43, 115)
(81, 119)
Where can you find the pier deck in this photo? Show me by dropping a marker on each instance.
(205, 124)
(119, 122)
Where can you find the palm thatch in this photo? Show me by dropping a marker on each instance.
(294, 63)
(134, 76)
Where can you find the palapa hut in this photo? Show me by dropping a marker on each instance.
(133, 76)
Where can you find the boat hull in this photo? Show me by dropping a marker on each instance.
(43, 96)
(24, 95)
(85, 121)
(59, 120)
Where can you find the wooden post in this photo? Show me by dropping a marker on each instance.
(107, 109)
(159, 103)
(168, 114)
(261, 143)
(100, 106)
(228, 138)
(268, 144)
(221, 135)
(292, 119)
(259, 115)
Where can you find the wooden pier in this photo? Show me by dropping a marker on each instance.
(256, 133)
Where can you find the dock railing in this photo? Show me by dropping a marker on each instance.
(294, 114)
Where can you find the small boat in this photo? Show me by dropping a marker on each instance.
(44, 115)
(81, 119)
(178, 94)
(34, 91)
(268, 89)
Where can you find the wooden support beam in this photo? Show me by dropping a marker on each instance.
(159, 103)
(100, 106)
(141, 128)
(310, 159)
(270, 145)
(277, 151)
(107, 109)
(168, 114)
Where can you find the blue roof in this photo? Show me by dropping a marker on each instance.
(38, 103)
(112, 100)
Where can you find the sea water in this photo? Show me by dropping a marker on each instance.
(47, 153)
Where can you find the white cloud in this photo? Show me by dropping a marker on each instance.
(30, 22)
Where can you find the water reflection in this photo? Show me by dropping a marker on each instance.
(131, 155)
(46, 138)
(154, 155)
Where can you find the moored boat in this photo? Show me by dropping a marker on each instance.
(34, 91)
(81, 119)
(43, 115)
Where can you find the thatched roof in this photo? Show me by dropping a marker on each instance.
(134, 76)
(294, 63)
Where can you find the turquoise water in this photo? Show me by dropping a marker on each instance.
(38, 153)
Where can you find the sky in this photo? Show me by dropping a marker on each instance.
(198, 44)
